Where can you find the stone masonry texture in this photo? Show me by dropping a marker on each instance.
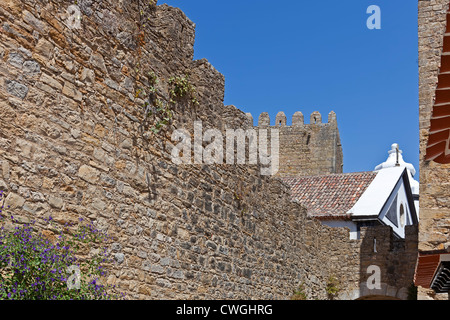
(75, 142)
(434, 233)
(306, 149)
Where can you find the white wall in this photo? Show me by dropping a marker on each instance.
(401, 200)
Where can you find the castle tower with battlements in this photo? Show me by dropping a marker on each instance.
(306, 149)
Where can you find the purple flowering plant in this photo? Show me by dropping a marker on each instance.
(34, 268)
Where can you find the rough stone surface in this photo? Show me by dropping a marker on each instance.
(75, 143)
(434, 231)
(307, 149)
(17, 89)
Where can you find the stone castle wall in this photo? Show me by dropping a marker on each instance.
(306, 149)
(395, 257)
(434, 188)
(74, 144)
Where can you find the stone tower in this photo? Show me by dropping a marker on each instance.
(306, 149)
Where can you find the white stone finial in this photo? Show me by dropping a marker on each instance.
(395, 159)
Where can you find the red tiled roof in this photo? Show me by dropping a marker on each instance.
(330, 196)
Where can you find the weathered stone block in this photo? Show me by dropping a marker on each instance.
(119, 258)
(15, 59)
(55, 202)
(31, 68)
(14, 6)
(88, 174)
(44, 48)
(14, 201)
(98, 62)
(37, 24)
(71, 91)
(16, 89)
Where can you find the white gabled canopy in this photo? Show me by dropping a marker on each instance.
(389, 198)
(394, 160)
(374, 199)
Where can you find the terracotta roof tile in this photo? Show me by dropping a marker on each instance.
(330, 196)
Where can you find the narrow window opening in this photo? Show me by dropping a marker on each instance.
(402, 216)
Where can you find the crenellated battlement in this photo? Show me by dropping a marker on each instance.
(298, 119)
(312, 148)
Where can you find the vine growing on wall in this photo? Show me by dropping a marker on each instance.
(155, 108)
(181, 88)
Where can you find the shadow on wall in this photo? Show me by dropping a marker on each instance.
(387, 264)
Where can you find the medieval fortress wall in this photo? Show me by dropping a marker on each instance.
(434, 204)
(306, 149)
(434, 233)
(75, 142)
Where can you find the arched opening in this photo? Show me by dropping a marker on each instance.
(402, 216)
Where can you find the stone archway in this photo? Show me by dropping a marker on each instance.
(375, 297)
(385, 293)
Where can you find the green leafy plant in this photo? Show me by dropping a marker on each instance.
(150, 91)
(34, 268)
(299, 293)
(164, 114)
(181, 88)
(153, 106)
(332, 287)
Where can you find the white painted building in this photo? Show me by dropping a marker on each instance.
(388, 196)
(394, 160)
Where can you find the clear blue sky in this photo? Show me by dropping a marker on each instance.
(295, 55)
